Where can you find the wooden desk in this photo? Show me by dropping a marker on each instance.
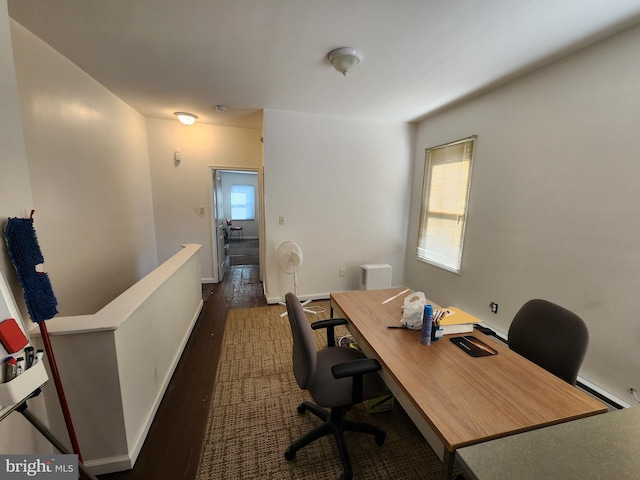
(455, 399)
(604, 446)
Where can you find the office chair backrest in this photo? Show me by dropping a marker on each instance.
(304, 346)
(550, 336)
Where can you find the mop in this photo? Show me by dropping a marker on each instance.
(24, 251)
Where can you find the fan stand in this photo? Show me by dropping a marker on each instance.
(306, 302)
(313, 312)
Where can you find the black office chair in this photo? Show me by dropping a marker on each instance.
(550, 336)
(234, 229)
(336, 377)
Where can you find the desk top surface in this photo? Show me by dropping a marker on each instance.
(603, 446)
(465, 399)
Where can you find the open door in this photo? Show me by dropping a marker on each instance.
(222, 181)
(220, 245)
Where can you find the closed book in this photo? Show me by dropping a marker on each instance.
(454, 321)
(455, 316)
(458, 328)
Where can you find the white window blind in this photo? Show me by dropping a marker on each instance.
(445, 198)
(243, 200)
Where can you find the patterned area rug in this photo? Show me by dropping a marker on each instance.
(253, 416)
(243, 252)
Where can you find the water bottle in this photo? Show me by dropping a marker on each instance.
(427, 325)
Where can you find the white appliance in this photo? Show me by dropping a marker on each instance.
(375, 276)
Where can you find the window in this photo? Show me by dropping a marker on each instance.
(445, 197)
(243, 201)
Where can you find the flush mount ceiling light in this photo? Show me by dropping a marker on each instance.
(186, 118)
(345, 59)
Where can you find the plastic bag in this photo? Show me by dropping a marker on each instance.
(413, 310)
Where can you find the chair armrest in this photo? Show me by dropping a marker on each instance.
(355, 367)
(329, 325)
(332, 322)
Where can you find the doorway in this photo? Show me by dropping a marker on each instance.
(236, 221)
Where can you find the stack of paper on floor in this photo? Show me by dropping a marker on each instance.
(456, 321)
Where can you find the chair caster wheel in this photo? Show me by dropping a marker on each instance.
(289, 455)
(301, 409)
(380, 439)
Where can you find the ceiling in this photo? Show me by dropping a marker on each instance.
(162, 56)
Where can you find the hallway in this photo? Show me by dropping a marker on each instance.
(243, 252)
(172, 448)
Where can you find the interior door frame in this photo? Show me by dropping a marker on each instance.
(213, 171)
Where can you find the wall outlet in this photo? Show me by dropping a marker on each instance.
(494, 307)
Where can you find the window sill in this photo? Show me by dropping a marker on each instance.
(439, 265)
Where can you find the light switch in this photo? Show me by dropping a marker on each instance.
(281, 220)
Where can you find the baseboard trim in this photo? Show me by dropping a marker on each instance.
(318, 296)
(104, 466)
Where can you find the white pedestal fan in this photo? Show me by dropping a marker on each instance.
(289, 258)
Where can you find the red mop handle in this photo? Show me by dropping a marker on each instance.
(58, 383)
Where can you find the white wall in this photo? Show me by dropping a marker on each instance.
(89, 170)
(78, 156)
(15, 186)
(115, 391)
(554, 203)
(342, 187)
(16, 434)
(179, 189)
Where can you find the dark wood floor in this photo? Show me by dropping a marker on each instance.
(172, 447)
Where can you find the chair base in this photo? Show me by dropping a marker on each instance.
(307, 310)
(334, 424)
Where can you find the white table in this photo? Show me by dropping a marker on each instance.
(600, 447)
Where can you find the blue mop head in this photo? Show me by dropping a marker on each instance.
(25, 254)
